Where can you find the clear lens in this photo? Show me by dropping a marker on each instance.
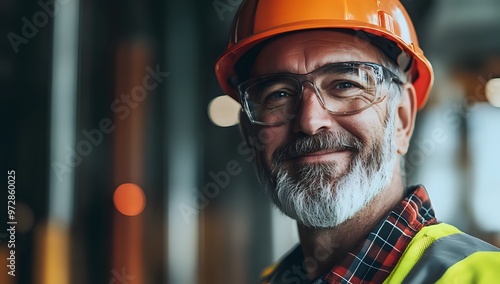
(347, 89)
(273, 100)
(342, 88)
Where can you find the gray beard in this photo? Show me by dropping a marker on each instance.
(317, 195)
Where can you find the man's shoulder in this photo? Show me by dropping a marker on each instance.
(478, 267)
(435, 239)
(441, 251)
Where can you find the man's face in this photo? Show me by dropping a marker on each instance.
(320, 168)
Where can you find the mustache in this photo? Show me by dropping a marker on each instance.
(324, 141)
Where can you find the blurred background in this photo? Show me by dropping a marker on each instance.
(129, 167)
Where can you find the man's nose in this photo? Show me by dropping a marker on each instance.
(312, 117)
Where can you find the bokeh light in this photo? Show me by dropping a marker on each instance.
(493, 92)
(129, 199)
(223, 111)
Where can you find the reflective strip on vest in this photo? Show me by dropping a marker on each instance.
(443, 254)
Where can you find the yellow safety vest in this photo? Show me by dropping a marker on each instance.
(443, 254)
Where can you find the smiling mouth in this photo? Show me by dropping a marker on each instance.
(323, 156)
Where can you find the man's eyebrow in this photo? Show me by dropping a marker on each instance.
(314, 68)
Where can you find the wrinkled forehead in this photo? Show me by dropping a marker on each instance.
(305, 51)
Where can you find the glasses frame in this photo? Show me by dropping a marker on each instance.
(381, 74)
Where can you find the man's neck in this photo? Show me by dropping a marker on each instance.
(324, 248)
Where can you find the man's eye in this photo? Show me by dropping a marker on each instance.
(346, 85)
(278, 95)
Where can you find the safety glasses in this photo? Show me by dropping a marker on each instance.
(342, 88)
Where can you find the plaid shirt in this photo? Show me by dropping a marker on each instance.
(376, 256)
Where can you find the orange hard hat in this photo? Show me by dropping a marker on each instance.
(257, 21)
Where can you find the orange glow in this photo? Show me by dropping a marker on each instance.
(52, 253)
(129, 199)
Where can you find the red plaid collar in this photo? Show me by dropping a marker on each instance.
(374, 259)
(376, 256)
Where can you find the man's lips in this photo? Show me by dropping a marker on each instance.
(323, 156)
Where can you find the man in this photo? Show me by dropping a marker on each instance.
(331, 88)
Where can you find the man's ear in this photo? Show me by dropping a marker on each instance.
(405, 118)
